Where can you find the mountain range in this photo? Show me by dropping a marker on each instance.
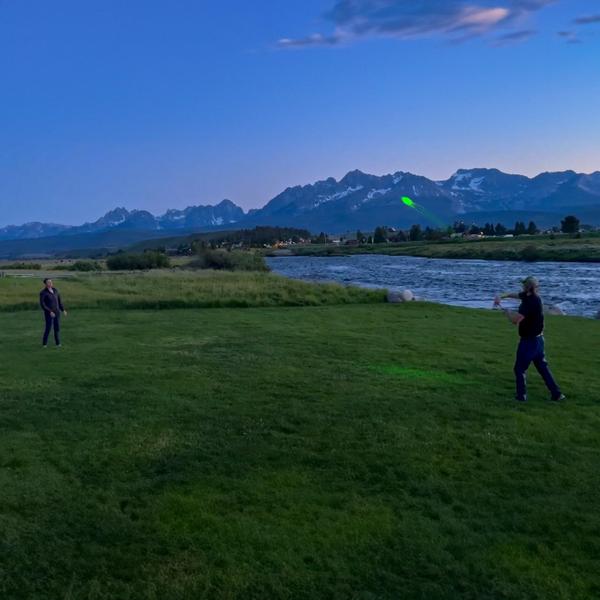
(357, 201)
(362, 201)
(189, 219)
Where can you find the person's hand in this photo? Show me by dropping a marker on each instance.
(65, 313)
(52, 314)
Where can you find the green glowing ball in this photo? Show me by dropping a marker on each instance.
(408, 201)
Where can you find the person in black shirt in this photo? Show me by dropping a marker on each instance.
(530, 320)
(52, 305)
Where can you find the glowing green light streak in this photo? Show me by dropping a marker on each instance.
(423, 211)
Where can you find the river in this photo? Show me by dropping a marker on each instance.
(574, 287)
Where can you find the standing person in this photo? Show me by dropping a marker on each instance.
(52, 305)
(530, 320)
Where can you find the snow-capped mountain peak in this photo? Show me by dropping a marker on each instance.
(361, 200)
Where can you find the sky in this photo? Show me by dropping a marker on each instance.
(157, 104)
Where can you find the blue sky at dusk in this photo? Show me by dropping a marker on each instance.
(159, 104)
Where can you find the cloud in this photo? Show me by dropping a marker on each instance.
(316, 39)
(572, 37)
(569, 36)
(589, 20)
(514, 37)
(453, 19)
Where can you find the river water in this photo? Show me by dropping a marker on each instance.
(574, 287)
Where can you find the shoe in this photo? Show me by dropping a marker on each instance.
(521, 399)
(560, 398)
(44, 345)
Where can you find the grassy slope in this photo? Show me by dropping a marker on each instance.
(330, 452)
(585, 249)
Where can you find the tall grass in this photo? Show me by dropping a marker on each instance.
(19, 266)
(223, 260)
(138, 262)
(165, 290)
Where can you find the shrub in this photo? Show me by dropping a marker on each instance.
(80, 265)
(530, 253)
(225, 260)
(138, 262)
(22, 266)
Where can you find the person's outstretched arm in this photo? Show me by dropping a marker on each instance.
(514, 317)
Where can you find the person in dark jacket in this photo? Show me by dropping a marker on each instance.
(530, 320)
(52, 305)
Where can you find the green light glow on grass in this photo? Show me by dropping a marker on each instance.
(422, 374)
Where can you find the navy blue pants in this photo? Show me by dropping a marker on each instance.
(50, 323)
(531, 350)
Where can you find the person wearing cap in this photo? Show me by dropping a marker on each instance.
(52, 305)
(530, 320)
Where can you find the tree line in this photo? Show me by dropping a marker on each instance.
(416, 233)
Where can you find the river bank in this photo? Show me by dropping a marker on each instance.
(573, 287)
(523, 249)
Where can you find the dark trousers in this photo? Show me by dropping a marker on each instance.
(531, 350)
(52, 322)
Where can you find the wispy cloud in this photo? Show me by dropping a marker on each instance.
(514, 37)
(570, 37)
(316, 39)
(453, 19)
(589, 20)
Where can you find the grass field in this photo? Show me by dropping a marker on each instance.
(363, 451)
(167, 290)
(524, 248)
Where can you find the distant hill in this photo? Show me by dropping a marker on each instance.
(357, 201)
(76, 244)
(116, 229)
(192, 218)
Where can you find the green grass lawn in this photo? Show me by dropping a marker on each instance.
(338, 452)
